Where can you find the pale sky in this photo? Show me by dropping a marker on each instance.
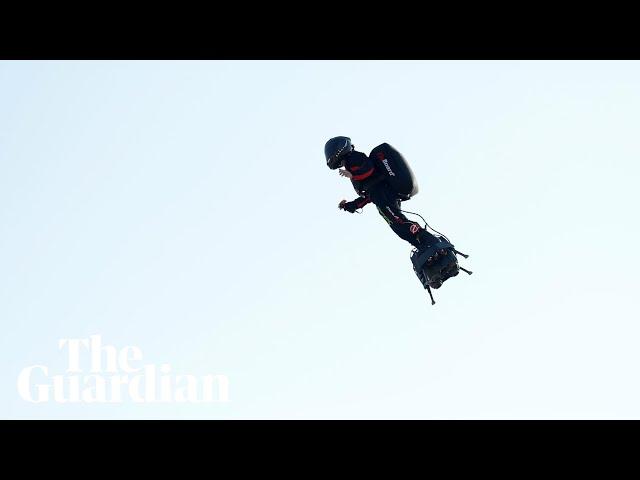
(186, 208)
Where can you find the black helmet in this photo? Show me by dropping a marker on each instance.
(335, 150)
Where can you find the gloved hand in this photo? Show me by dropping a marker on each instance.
(350, 207)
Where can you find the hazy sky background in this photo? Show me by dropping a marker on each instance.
(186, 208)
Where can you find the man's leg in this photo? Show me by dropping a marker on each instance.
(410, 231)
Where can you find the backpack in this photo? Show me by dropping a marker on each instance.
(390, 164)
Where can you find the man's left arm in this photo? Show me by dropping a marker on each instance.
(353, 205)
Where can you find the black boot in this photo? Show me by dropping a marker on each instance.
(425, 240)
